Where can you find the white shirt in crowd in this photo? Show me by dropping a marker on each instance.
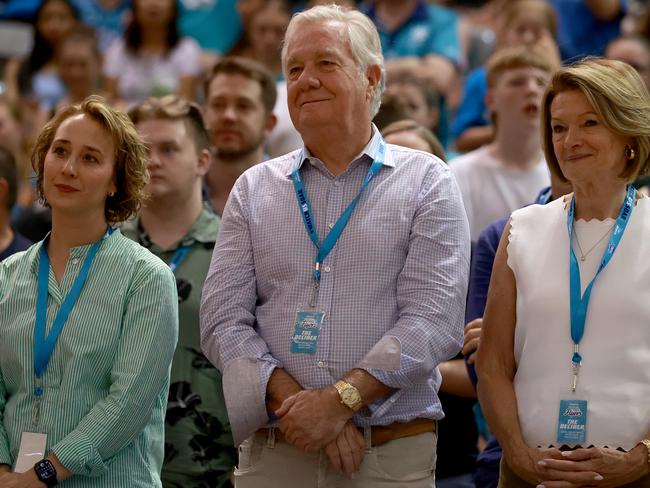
(491, 190)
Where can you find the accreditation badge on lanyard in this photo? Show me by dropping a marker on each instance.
(32, 444)
(309, 321)
(572, 419)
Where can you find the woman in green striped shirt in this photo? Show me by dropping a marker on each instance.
(88, 319)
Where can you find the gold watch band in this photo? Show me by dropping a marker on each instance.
(349, 395)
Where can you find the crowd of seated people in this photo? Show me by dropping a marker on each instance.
(205, 86)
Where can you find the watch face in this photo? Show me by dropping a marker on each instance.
(350, 396)
(45, 469)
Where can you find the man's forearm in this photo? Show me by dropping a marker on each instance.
(455, 379)
(281, 386)
(370, 388)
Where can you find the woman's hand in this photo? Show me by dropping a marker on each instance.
(615, 468)
(526, 463)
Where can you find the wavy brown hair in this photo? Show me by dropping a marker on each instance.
(131, 173)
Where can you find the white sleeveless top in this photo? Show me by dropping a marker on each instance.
(615, 373)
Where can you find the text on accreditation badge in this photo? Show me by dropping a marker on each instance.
(307, 331)
(572, 422)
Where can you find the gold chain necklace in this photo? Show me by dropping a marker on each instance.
(583, 255)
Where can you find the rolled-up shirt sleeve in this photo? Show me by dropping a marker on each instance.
(431, 291)
(228, 336)
(139, 377)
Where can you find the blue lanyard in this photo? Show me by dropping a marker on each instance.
(44, 346)
(178, 257)
(335, 233)
(544, 197)
(580, 303)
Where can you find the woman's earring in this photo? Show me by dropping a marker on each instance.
(629, 153)
(111, 194)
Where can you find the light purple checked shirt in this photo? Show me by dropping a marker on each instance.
(392, 289)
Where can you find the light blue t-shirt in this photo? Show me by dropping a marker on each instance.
(109, 23)
(430, 30)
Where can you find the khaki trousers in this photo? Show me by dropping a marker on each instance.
(408, 462)
(509, 479)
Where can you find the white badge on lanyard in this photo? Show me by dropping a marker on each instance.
(32, 450)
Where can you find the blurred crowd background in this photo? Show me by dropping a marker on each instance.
(56, 52)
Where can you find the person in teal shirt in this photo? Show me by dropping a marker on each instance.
(86, 377)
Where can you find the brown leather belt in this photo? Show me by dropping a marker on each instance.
(381, 434)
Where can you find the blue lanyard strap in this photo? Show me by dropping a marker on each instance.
(544, 197)
(580, 303)
(335, 233)
(178, 257)
(44, 346)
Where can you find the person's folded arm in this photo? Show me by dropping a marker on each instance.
(228, 337)
(5, 453)
(139, 375)
(431, 290)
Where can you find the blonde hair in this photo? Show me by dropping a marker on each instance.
(509, 58)
(130, 155)
(619, 98)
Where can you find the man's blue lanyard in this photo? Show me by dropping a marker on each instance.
(580, 303)
(335, 233)
(178, 257)
(44, 346)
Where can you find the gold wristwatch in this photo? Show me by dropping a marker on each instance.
(350, 396)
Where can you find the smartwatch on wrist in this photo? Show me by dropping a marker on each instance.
(45, 472)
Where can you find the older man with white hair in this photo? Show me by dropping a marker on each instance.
(337, 283)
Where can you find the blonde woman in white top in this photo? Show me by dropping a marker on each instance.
(564, 362)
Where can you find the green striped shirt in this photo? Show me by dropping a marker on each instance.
(105, 387)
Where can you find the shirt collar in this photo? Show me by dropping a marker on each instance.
(75, 252)
(370, 150)
(203, 230)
